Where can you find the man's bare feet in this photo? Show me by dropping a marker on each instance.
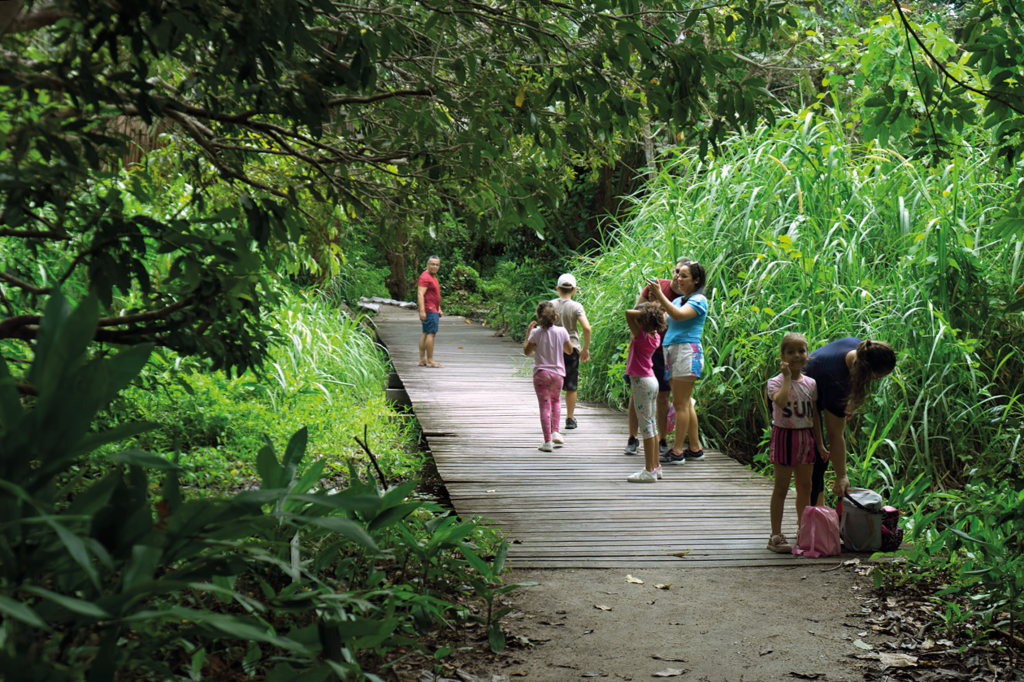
(434, 364)
(422, 364)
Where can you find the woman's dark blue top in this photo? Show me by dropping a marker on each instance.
(827, 366)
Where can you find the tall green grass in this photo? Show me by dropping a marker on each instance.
(800, 230)
(325, 373)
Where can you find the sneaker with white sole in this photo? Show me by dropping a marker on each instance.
(632, 447)
(643, 476)
(557, 439)
(547, 447)
(570, 423)
(658, 473)
(671, 457)
(694, 455)
(663, 448)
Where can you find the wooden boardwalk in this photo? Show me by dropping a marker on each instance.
(572, 508)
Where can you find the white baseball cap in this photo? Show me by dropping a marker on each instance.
(566, 281)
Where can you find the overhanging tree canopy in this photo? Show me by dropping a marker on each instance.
(393, 111)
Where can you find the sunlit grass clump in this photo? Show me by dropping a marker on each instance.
(802, 231)
(326, 373)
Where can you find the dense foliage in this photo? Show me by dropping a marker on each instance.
(104, 579)
(320, 118)
(802, 230)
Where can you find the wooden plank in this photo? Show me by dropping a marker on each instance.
(571, 508)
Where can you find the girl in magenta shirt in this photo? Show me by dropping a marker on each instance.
(552, 345)
(646, 323)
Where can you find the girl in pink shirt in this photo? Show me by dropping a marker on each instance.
(796, 434)
(646, 323)
(552, 345)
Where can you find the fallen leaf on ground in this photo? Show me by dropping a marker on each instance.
(765, 652)
(666, 658)
(671, 672)
(602, 607)
(898, 660)
(861, 645)
(594, 675)
(806, 676)
(631, 579)
(492, 490)
(663, 586)
(681, 554)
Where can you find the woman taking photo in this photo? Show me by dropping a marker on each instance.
(684, 354)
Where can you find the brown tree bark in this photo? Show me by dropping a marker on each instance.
(395, 254)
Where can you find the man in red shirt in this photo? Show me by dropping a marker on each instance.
(428, 299)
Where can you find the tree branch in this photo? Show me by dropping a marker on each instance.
(34, 234)
(33, 21)
(21, 284)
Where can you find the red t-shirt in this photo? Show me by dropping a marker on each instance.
(666, 288)
(432, 296)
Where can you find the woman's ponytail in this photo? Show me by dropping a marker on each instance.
(873, 360)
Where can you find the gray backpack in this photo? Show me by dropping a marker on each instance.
(860, 523)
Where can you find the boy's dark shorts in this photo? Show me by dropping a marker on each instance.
(432, 322)
(658, 366)
(572, 371)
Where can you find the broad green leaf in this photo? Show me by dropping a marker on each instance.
(82, 608)
(268, 468)
(294, 452)
(142, 565)
(390, 517)
(496, 637)
(22, 612)
(345, 528)
(143, 459)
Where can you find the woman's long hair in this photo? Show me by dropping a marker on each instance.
(874, 359)
(546, 315)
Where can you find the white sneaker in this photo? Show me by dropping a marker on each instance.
(557, 439)
(547, 447)
(643, 476)
(657, 472)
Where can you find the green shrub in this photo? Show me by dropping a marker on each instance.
(100, 580)
(325, 374)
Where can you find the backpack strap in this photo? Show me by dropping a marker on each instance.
(860, 506)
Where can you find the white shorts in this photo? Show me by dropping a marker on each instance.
(684, 360)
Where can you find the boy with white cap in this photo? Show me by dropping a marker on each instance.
(570, 314)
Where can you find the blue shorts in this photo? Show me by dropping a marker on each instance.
(432, 322)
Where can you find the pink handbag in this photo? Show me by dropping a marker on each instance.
(819, 533)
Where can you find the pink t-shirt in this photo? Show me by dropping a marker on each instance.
(550, 352)
(798, 412)
(640, 350)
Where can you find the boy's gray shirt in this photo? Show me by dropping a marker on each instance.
(568, 311)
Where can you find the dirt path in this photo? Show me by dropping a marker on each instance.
(727, 625)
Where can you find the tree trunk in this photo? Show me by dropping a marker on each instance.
(8, 11)
(395, 254)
